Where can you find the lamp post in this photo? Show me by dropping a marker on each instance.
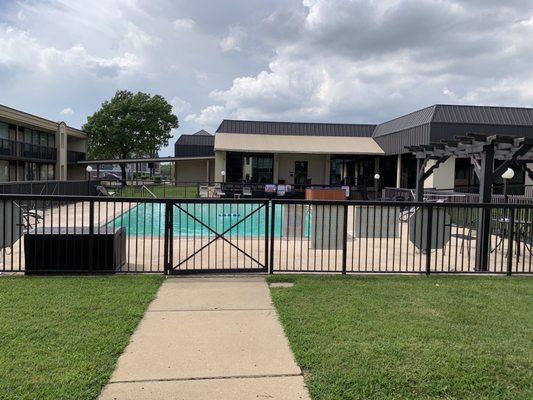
(223, 173)
(506, 176)
(376, 185)
(89, 169)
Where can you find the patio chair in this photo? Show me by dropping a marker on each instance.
(203, 191)
(246, 191)
(218, 190)
(102, 191)
(30, 217)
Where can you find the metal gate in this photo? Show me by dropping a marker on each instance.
(217, 236)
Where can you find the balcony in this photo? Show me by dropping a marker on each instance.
(74, 156)
(26, 151)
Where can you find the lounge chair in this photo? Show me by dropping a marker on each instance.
(246, 191)
(102, 191)
(218, 190)
(203, 191)
(30, 217)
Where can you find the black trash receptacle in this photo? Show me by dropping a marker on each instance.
(74, 250)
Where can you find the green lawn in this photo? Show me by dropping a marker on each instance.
(411, 337)
(60, 337)
(161, 191)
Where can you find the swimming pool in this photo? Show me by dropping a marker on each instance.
(148, 219)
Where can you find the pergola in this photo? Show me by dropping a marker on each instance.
(483, 150)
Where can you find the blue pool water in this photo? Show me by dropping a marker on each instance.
(149, 219)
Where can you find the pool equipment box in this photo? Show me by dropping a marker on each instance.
(376, 222)
(74, 250)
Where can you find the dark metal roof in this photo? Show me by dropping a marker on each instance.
(458, 114)
(193, 140)
(202, 133)
(408, 121)
(442, 121)
(295, 128)
(487, 115)
(196, 145)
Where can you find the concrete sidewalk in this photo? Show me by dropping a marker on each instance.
(208, 338)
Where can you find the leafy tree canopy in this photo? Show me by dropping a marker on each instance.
(130, 125)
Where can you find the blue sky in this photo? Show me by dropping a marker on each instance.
(300, 60)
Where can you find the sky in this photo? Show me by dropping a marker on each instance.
(351, 61)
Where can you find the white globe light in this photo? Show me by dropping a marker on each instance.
(377, 176)
(508, 174)
(222, 173)
(89, 169)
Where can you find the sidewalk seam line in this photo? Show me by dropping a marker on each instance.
(205, 378)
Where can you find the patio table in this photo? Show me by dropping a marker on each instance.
(521, 232)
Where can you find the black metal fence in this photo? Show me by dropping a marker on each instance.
(157, 188)
(183, 236)
(56, 188)
(460, 195)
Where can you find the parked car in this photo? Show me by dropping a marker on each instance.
(110, 176)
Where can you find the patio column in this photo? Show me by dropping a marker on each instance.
(207, 171)
(485, 193)
(327, 168)
(275, 168)
(419, 188)
(399, 171)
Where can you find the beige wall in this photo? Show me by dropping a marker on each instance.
(77, 144)
(317, 167)
(220, 165)
(61, 144)
(443, 177)
(194, 170)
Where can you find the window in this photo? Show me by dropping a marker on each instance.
(336, 171)
(43, 139)
(27, 135)
(43, 172)
(31, 171)
(4, 171)
(262, 168)
(300, 172)
(51, 173)
(4, 131)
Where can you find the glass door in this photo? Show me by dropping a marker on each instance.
(300, 172)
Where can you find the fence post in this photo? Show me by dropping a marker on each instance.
(168, 239)
(272, 228)
(429, 234)
(510, 249)
(91, 232)
(267, 236)
(344, 237)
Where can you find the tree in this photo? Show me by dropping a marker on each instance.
(129, 125)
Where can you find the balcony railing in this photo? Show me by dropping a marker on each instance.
(74, 156)
(12, 148)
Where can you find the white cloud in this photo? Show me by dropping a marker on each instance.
(66, 111)
(184, 24)
(19, 49)
(208, 116)
(365, 61)
(233, 40)
(180, 107)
